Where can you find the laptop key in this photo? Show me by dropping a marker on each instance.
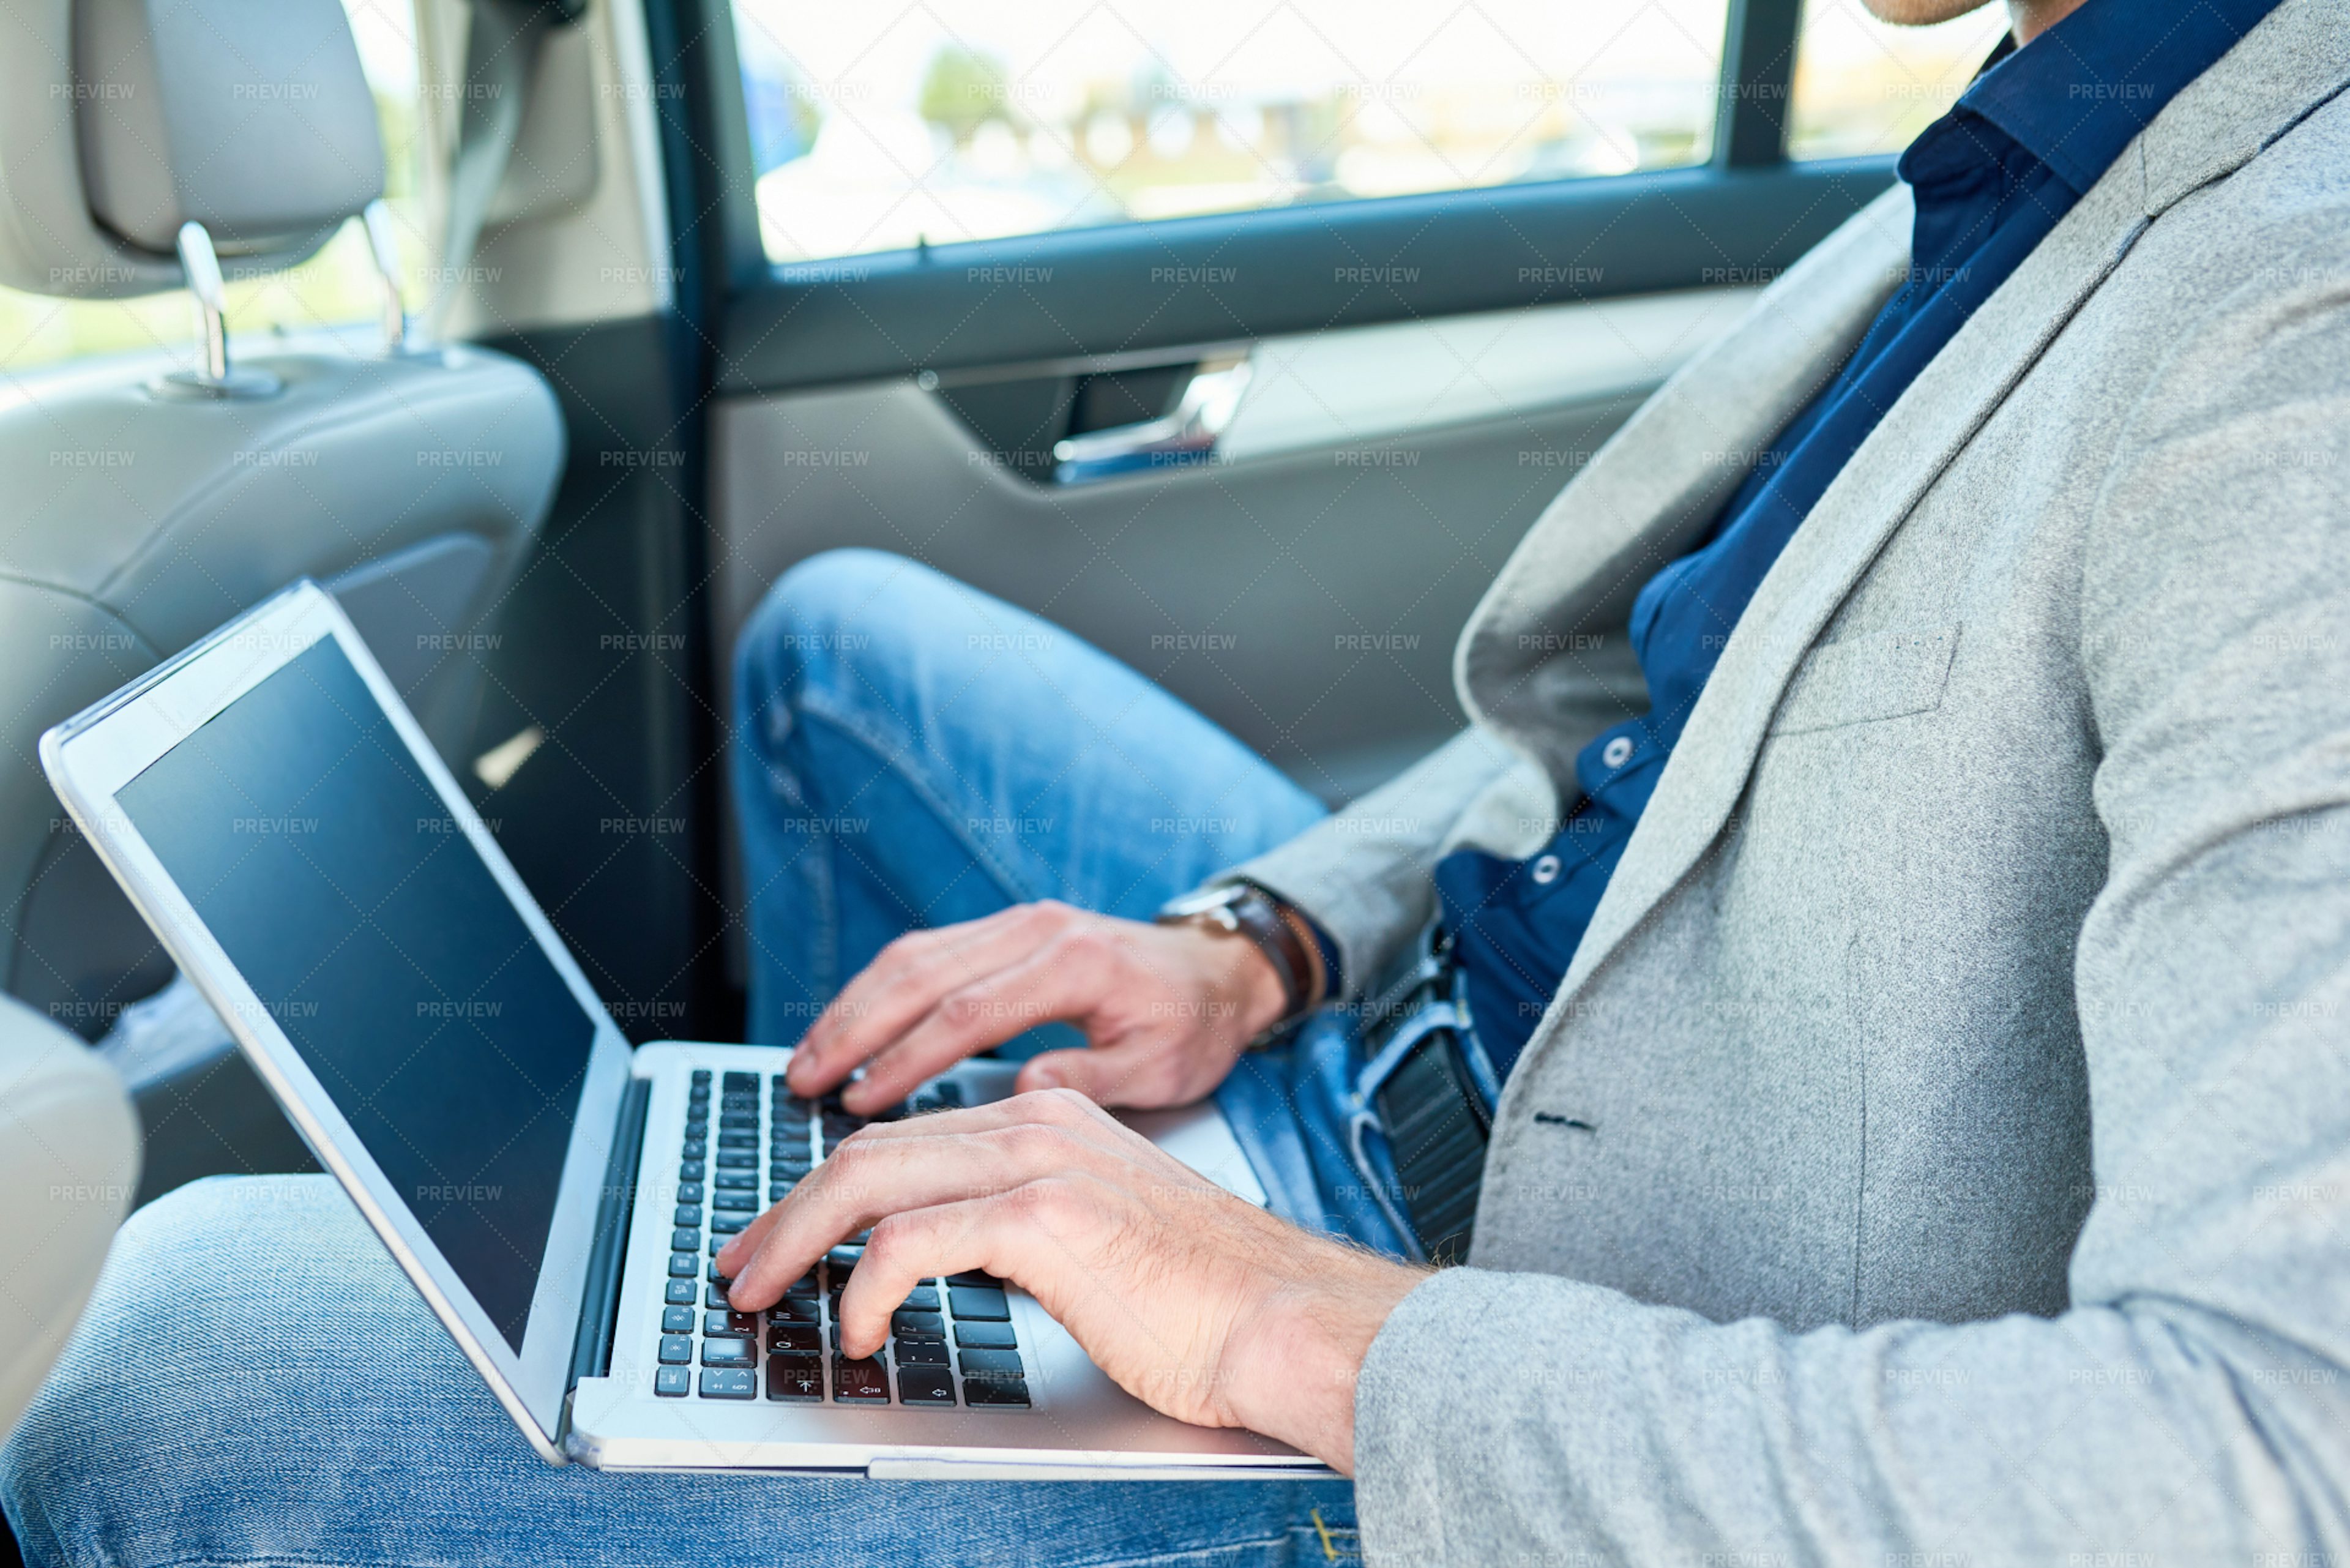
(728, 1383)
(685, 1240)
(681, 1265)
(985, 1336)
(689, 1171)
(738, 1159)
(727, 1351)
(925, 1385)
(922, 1298)
(1009, 1394)
(859, 1382)
(686, 1214)
(976, 1303)
(922, 1352)
(918, 1325)
(729, 1224)
(688, 1194)
(995, 1364)
(677, 1320)
(795, 1380)
(680, 1293)
(742, 1322)
(740, 1082)
(736, 1180)
(738, 1140)
(717, 1297)
(673, 1382)
(795, 1337)
(735, 1200)
(676, 1349)
(802, 1286)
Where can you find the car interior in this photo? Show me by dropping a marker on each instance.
(547, 334)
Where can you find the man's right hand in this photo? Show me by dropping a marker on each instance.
(1166, 1010)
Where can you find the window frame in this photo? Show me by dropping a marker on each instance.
(1739, 217)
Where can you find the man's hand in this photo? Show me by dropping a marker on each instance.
(1167, 1009)
(1199, 1304)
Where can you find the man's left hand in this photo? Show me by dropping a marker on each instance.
(1196, 1301)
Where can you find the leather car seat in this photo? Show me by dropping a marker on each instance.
(142, 144)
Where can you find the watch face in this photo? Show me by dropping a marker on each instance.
(1190, 906)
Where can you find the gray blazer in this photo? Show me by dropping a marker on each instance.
(1940, 1151)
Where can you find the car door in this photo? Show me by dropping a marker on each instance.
(1245, 344)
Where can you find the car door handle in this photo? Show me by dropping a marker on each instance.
(1187, 435)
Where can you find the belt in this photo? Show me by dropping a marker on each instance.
(1424, 1073)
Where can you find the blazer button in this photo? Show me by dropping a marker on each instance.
(1545, 869)
(1618, 751)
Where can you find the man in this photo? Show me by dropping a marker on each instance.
(1919, 1119)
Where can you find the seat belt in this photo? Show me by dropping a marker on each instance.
(502, 47)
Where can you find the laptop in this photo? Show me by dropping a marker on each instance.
(278, 817)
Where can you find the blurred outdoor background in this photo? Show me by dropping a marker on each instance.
(881, 127)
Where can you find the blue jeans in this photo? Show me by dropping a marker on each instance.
(255, 1382)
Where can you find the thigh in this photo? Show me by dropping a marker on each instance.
(913, 753)
(255, 1382)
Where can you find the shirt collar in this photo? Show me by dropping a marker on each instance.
(2081, 91)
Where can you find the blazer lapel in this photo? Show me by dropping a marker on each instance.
(1658, 481)
(1926, 429)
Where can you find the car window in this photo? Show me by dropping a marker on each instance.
(884, 128)
(333, 288)
(1862, 87)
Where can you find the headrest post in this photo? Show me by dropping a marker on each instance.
(383, 245)
(200, 264)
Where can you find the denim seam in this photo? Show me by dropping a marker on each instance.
(982, 855)
(1153, 1560)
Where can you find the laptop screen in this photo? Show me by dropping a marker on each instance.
(298, 825)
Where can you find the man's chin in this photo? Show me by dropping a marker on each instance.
(1921, 13)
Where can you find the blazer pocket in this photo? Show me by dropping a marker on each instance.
(1861, 679)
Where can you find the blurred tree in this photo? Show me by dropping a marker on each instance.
(963, 91)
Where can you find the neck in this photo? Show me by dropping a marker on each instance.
(2032, 17)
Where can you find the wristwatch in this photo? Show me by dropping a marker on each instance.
(1243, 908)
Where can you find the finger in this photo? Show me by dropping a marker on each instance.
(1023, 1234)
(866, 1182)
(907, 1249)
(1066, 981)
(1132, 1075)
(905, 982)
(1076, 1115)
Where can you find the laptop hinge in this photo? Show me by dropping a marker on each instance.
(599, 1298)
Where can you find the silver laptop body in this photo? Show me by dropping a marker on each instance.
(277, 815)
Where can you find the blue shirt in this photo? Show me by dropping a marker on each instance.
(2037, 129)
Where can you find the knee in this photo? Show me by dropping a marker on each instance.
(836, 620)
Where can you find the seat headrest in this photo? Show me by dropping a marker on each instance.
(122, 119)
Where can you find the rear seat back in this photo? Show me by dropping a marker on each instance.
(137, 516)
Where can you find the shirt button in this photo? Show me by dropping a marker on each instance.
(1545, 869)
(1618, 751)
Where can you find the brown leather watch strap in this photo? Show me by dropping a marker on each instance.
(1246, 909)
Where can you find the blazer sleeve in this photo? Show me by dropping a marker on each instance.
(2192, 1406)
(1365, 873)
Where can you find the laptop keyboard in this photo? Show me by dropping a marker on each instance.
(950, 1336)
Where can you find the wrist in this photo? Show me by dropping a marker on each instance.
(1291, 1363)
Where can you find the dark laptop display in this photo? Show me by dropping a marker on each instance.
(300, 828)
